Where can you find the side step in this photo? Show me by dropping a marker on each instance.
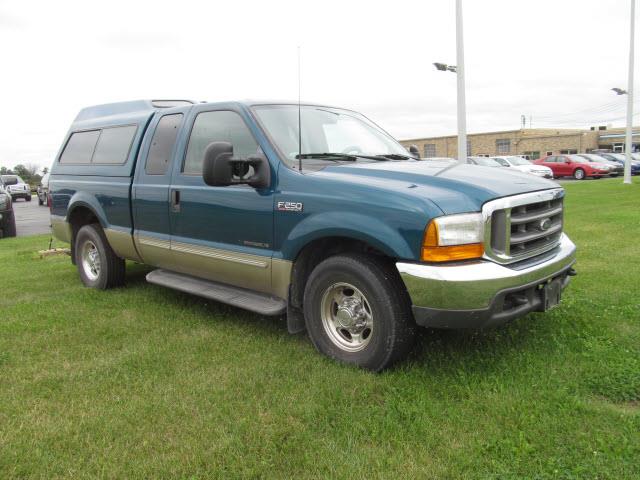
(236, 296)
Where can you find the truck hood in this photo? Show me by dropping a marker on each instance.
(453, 187)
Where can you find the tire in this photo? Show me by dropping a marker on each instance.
(99, 267)
(28, 199)
(375, 308)
(579, 174)
(10, 225)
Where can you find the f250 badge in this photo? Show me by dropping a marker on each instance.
(289, 206)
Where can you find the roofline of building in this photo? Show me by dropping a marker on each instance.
(561, 131)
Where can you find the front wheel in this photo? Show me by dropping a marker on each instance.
(357, 311)
(98, 266)
(578, 174)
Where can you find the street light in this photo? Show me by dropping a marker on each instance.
(444, 67)
(629, 92)
(459, 71)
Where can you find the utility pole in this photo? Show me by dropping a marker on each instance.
(629, 137)
(462, 115)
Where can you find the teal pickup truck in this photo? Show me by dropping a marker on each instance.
(310, 211)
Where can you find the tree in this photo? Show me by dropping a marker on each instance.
(5, 171)
(28, 173)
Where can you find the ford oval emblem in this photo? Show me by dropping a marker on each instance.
(544, 224)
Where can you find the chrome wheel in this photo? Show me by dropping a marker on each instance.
(346, 317)
(90, 260)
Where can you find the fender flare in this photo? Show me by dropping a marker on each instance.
(84, 200)
(357, 226)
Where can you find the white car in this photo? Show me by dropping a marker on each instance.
(524, 165)
(16, 187)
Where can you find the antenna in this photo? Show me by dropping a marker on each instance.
(299, 118)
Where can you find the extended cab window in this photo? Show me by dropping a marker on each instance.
(219, 126)
(80, 147)
(114, 145)
(109, 145)
(164, 138)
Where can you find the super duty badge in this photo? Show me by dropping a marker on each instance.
(289, 206)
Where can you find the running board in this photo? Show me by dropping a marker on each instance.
(236, 296)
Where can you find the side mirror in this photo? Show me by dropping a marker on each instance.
(413, 150)
(220, 169)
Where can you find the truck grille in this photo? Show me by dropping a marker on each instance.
(523, 226)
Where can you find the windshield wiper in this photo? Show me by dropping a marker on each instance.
(351, 157)
(395, 156)
(327, 156)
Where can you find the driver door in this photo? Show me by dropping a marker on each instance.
(223, 234)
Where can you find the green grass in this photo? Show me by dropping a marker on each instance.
(144, 382)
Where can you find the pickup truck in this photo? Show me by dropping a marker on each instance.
(308, 211)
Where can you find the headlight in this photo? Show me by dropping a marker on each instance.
(4, 201)
(453, 237)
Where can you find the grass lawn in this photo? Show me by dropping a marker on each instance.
(145, 382)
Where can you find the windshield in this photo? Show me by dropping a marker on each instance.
(594, 158)
(518, 161)
(11, 179)
(577, 159)
(502, 161)
(487, 162)
(324, 130)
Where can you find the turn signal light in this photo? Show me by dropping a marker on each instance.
(433, 252)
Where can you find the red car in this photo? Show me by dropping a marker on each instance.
(574, 166)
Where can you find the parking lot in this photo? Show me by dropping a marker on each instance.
(31, 218)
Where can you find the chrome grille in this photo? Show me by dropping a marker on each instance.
(523, 226)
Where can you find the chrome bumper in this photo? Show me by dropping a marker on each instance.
(472, 294)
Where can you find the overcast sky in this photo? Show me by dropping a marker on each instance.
(555, 60)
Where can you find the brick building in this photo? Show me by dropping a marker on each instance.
(536, 142)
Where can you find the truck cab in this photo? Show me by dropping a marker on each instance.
(308, 211)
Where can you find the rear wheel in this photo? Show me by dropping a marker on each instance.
(98, 266)
(28, 198)
(357, 311)
(578, 174)
(10, 225)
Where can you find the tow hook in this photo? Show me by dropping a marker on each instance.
(571, 272)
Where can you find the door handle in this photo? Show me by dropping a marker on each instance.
(175, 201)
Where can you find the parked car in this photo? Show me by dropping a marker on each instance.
(7, 218)
(484, 161)
(439, 159)
(574, 166)
(356, 241)
(616, 168)
(620, 159)
(16, 187)
(43, 190)
(519, 163)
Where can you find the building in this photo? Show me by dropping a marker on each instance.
(535, 142)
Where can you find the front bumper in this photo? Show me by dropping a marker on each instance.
(483, 293)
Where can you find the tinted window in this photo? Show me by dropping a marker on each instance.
(220, 126)
(80, 147)
(164, 138)
(114, 144)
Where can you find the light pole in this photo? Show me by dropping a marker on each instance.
(629, 137)
(459, 71)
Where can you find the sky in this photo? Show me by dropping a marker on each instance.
(554, 61)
